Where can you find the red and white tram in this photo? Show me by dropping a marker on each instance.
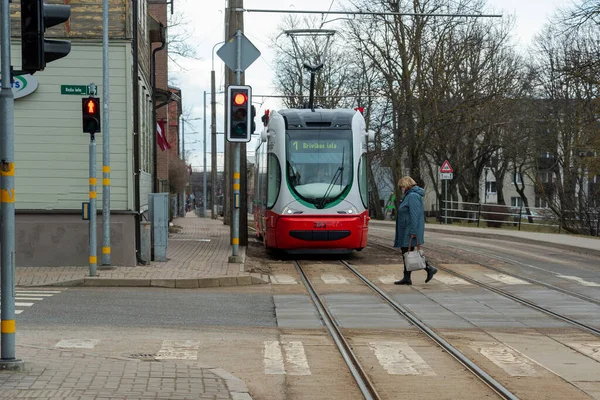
(311, 184)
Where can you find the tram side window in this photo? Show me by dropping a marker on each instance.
(274, 176)
(362, 180)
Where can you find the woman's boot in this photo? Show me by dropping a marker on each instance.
(430, 272)
(405, 280)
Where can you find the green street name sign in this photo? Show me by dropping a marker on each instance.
(81, 90)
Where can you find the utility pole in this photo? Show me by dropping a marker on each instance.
(8, 327)
(235, 24)
(105, 140)
(213, 143)
(204, 168)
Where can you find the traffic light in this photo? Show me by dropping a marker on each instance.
(36, 17)
(90, 111)
(239, 112)
(252, 120)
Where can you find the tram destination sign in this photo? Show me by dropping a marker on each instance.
(317, 145)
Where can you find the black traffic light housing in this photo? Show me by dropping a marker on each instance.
(90, 112)
(239, 112)
(36, 17)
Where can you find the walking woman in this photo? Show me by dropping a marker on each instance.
(410, 224)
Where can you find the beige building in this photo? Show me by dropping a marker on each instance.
(52, 152)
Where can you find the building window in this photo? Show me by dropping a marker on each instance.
(544, 176)
(516, 202)
(540, 203)
(490, 187)
(518, 178)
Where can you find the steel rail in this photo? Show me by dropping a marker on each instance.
(518, 263)
(365, 385)
(461, 358)
(516, 298)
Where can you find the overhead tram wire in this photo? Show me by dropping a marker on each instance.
(359, 12)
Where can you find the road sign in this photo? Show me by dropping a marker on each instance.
(81, 90)
(446, 175)
(446, 167)
(228, 51)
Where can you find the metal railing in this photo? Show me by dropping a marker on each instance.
(497, 215)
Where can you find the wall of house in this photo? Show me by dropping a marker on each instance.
(52, 152)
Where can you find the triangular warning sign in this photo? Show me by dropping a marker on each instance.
(446, 167)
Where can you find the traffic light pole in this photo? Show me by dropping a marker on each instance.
(8, 326)
(92, 212)
(93, 260)
(105, 140)
(235, 223)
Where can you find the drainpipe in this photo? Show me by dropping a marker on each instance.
(136, 131)
(154, 145)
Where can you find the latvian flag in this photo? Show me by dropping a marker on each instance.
(161, 136)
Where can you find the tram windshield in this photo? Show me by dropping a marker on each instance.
(319, 164)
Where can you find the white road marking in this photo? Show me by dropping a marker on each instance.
(398, 358)
(280, 279)
(46, 293)
(24, 297)
(507, 279)
(389, 279)
(295, 359)
(334, 279)
(273, 359)
(589, 349)
(510, 360)
(77, 343)
(450, 280)
(579, 280)
(178, 350)
(23, 304)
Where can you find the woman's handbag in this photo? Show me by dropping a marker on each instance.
(414, 260)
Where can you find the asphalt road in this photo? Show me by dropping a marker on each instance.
(134, 307)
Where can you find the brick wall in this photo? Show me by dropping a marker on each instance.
(159, 12)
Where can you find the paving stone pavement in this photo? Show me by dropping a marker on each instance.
(63, 374)
(197, 256)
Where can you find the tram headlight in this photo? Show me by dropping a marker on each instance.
(351, 211)
(291, 211)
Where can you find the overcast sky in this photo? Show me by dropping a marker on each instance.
(206, 25)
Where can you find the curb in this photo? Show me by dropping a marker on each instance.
(509, 238)
(236, 386)
(176, 283)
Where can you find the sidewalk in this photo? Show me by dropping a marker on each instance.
(72, 375)
(588, 245)
(197, 256)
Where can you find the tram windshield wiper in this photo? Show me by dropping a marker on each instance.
(338, 173)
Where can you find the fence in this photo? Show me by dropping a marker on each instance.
(497, 215)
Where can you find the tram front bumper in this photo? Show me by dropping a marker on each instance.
(322, 232)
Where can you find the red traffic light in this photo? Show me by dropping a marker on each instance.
(239, 99)
(91, 107)
(90, 112)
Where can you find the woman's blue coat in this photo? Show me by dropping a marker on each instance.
(410, 218)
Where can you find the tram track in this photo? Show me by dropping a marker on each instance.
(358, 372)
(514, 275)
(519, 299)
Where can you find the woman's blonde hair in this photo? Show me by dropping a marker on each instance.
(406, 182)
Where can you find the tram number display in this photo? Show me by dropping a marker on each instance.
(320, 225)
(312, 145)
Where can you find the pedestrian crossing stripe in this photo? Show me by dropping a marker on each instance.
(27, 298)
(295, 362)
